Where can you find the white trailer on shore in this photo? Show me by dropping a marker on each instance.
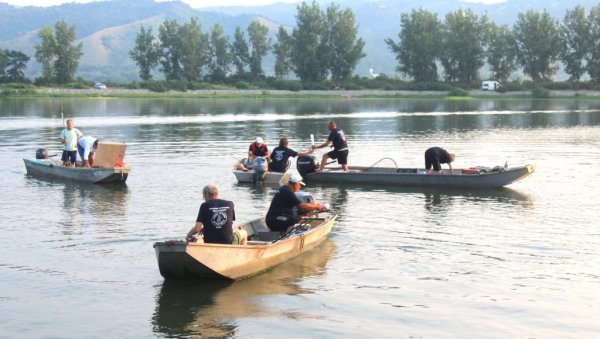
(490, 85)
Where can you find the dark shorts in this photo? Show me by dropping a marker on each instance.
(69, 156)
(281, 222)
(341, 156)
(81, 151)
(431, 160)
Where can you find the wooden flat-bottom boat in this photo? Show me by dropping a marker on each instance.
(479, 177)
(264, 250)
(267, 178)
(52, 169)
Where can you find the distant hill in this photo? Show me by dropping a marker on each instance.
(108, 29)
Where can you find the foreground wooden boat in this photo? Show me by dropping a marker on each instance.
(52, 169)
(465, 178)
(267, 178)
(265, 249)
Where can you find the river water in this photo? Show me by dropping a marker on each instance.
(524, 261)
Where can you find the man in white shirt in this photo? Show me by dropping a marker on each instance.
(69, 137)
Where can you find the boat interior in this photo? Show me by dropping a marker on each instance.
(260, 234)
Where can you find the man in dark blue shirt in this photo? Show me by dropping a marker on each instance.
(215, 220)
(435, 156)
(281, 154)
(340, 147)
(281, 212)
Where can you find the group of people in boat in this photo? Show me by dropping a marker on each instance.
(76, 143)
(215, 217)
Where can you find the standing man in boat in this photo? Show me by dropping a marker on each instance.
(215, 220)
(69, 137)
(281, 155)
(435, 156)
(86, 147)
(280, 216)
(340, 147)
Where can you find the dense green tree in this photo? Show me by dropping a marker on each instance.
(45, 54)
(501, 51)
(67, 54)
(170, 50)
(13, 66)
(282, 50)
(220, 58)
(240, 54)
(194, 49)
(260, 45)
(145, 53)
(308, 64)
(462, 53)
(538, 44)
(574, 33)
(57, 53)
(342, 49)
(419, 45)
(593, 55)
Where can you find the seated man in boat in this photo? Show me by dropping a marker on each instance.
(435, 156)
(280, 216)
(340, 147)
(69, 137)
(282, 153)
(215, 220)
(86, 147)
(257, 149)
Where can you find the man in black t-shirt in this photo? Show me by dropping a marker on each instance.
(281, 212)
(435, 156)
(281, 154)
(215, 220)
(340, 147)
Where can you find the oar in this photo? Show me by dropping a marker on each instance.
(62, 115)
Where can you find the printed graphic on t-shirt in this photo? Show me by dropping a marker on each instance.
(219, 216)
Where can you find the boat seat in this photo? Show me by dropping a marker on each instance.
(268, 235)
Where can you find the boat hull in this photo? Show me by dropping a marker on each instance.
(53, 170)
(183, 260)
(417, 177)
(270, 178)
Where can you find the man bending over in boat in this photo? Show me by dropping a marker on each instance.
(340, 147)
(86, 147)
(282, 153)
(68, 137)
(215, 220)
(435, 156)
(280, 216)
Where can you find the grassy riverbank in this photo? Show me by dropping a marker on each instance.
(285, 94)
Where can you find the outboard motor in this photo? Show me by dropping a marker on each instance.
(306, 165)
(260, 167)
(41, 153)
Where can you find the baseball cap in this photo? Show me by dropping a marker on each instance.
(296, 178)
(259, 140)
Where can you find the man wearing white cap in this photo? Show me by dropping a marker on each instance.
(257, 149)
(281, 212)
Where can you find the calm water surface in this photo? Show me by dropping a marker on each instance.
(77, 260)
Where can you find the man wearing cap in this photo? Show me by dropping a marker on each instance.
(257, 149)
(215, 220)
(281, 212)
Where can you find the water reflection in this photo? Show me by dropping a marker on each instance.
(210, 309)
(83, 203)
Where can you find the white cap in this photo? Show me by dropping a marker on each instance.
(260, 140)
(296, 178)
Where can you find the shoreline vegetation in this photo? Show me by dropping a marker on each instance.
(289, 94)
